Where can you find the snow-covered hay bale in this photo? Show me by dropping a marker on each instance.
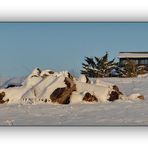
(90, 98)
(52, 87)
(84, 79)
(46, 73)
(76, 97)
(115, 87)
(2, 95)
(136, 95)
(115, 94)
(36, 72)
(62, 95)
(141, 97)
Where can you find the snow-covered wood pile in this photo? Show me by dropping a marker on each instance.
(52, 87)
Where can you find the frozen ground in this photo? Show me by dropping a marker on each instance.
(116, 113)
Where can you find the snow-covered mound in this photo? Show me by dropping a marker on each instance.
(52, 87)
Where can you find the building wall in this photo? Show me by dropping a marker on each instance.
(139, 61)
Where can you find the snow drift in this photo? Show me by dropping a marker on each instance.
(52, 87)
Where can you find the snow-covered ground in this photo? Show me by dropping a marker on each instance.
(120, 112)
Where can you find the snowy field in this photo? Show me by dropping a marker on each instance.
(129, 112)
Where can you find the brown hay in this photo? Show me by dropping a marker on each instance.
(70, 76)
(141, 97)
(39, 70)
(57, 94)
(62, 95)
(51, 72)
(115, 87)
(87, 80)
(2, 95)
(113, 96)
(90, 98)
(46, 75)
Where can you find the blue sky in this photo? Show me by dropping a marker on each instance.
(63, 46)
